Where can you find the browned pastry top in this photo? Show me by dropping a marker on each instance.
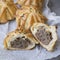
(27, 16)
(7, 10)
(7, 1)
(36, 3)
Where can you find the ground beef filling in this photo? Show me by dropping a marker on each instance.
(44, 36)
(20, 42)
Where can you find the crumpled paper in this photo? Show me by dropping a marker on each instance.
(39, 53)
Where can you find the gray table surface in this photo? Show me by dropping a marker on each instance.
(55, 6)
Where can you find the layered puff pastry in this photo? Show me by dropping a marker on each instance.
(46, 35)
(36, 3)
(27, 16)
(19, 41)
(7, 10)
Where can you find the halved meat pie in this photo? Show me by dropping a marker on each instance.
(16, 40)
(46, 35)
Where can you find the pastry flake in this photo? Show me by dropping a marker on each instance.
(46, 35)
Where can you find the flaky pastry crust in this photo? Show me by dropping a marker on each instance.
(13, 35)
(7, 10)
(27, 16)
(38, 4)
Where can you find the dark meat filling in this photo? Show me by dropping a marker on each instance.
(20, 42)
(44, 36)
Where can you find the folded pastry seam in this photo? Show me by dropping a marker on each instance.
(7, 10)
(27, 16)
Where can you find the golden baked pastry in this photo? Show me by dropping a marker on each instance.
(7, 10)
(19, 41)
(27, 16)
(36, 3)
(46, 35)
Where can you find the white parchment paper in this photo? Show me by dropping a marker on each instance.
(39, 53)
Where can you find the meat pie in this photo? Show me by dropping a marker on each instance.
(16, 40)
(46, 35)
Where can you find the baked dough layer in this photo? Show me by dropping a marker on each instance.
(7, 10)
(38, 4)
(26, 16)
